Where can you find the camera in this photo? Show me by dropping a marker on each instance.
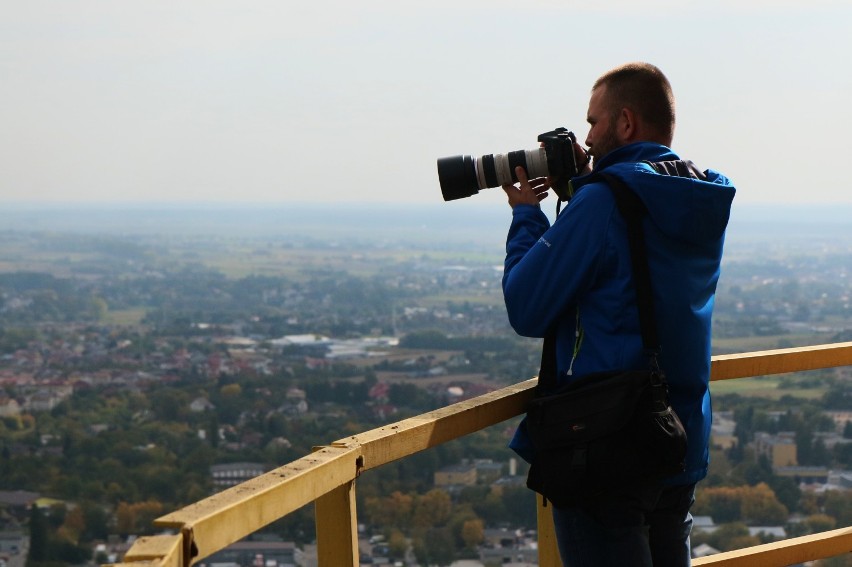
(463, 176)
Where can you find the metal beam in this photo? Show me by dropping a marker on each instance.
(404, 438)
(787, 552)
(224, 518)
(763, 363)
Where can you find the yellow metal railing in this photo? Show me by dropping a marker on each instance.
(327, 478)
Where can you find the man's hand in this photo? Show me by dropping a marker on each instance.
(529, 192)
(584, 159)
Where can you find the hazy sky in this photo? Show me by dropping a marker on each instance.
(337, 101)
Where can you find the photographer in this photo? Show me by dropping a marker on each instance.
(576, 277)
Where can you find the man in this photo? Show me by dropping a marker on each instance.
(576, 275)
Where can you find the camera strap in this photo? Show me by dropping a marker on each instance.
(633, 210)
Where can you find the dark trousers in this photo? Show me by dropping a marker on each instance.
(641, 528)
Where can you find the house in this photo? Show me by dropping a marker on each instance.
(704, 524)
(9, 407)
(296, 395)
(722, 430)
(703, 550)
(17, 502)
(232, 474)
(43, 400)
(775, 532)
(201, 404)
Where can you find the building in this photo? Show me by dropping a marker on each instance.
(9, 407)
(806, 475)
(463, 474)
(17, 503)
(722, 432)
(704, 524)
(12, 542)
(232, 474)
(256, 553)
(199, 405)
(773, 532)
(780, 449)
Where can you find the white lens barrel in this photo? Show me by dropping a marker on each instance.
(498, 169)
(537, 163)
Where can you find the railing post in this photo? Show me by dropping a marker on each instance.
(337, 527)
(548, 552)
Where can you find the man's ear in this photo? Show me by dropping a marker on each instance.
(627, 127)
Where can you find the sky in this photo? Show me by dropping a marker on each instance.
(337, 101)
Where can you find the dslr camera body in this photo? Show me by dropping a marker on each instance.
(462, 176)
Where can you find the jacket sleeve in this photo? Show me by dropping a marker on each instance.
(548, 268)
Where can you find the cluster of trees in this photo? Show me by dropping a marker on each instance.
(756, 505)
(735, 508)
(439, 528)
(123, 457)
(55, 537)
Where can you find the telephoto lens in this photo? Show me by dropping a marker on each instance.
(463, 176)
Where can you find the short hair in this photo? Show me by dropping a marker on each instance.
(645, 90)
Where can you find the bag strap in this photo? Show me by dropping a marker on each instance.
(633, 210)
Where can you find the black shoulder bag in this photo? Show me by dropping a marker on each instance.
(609, 428)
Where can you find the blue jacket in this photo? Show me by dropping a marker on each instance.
(577, 275)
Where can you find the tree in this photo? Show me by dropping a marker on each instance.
(38, 536)
(760, 505)
(732, 536)
(721, 503)
(838, 504)
(820, 523)
(432, 509)
(131, 518)
(73, 526)
(96, 521)
(787, 491)
(435, 547)
(473, 533)
(397, 544)
(394, 510)
(732, 504)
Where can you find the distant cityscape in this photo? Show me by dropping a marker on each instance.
(144, 367)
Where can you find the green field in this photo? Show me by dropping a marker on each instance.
(769, 387)
(125, 317)
(770, 342)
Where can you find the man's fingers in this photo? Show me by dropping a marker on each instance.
(540, 182)
(521, 174)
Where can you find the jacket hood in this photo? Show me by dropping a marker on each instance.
(683, 208)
